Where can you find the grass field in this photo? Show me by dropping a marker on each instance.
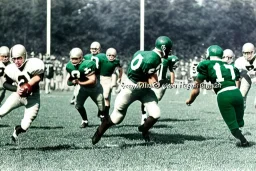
(185, 138)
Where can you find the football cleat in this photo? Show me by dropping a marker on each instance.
(73, 100)
(96, 137)
(145, 134)
(14, 135)
(245, 144)
(84, 124)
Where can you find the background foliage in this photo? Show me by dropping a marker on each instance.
(115, 23)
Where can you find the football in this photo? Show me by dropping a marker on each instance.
(27, 90)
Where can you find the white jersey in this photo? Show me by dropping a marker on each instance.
(32, 66)
(245, 67)
(193, 72)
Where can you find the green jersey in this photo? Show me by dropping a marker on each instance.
(143, 64)
(80, 71)
(218, 73)
(98, 59)
(169, 63)
(108, 67)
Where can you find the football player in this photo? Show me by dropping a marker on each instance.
(22, 71)
(141, 74)
(228, 56)
(4, 61)
(82, 72)
(108, 67)
(95, 50)
(124, 65)
(193, 66)
(49, 73)
(246, 65)
(224, 78)
(170, 63)
(98, 58)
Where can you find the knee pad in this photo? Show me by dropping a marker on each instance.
(116, 117)
(153, 110)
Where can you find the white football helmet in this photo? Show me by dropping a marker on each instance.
(4, 51)
(95, 48)
(52, 57)
(248, 51)
(228, 56)
(4, 54)
(76, 56)
(18, 51)
(111, 54)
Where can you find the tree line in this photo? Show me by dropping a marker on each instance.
(116, 23)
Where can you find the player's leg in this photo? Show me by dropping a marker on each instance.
(122, 102)
(239, 108)
(144, 114)
(47, 85)
(75, 93)
(80, 100)
(106, 85)
(32, 105)
(96, 95)
(113, 84)
(52, 84)
(226, 102)
(2, 95)
(159, 94)
(245, 87)
(12, 102)
(150, 101)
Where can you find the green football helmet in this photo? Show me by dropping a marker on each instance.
(164, 44)
(214, 50)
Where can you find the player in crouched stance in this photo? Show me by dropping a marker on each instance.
(22, 71)
(229, 98)
(142, 69)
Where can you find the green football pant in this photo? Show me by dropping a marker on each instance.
(231, 106)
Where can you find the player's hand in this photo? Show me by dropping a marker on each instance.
(251, 73)
(20, 90)
(75, 81)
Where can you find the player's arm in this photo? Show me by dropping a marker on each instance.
(238, 83)
(8, 84)
(35, 79)
(172, 66)
(152, 79)
(91, 79)
(120, 72)
(172, 77)
(195, 92)
(69, 81)
(238, 77)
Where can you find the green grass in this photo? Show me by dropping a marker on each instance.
(185, 138)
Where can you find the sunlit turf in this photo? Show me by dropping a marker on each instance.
(185, 138)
